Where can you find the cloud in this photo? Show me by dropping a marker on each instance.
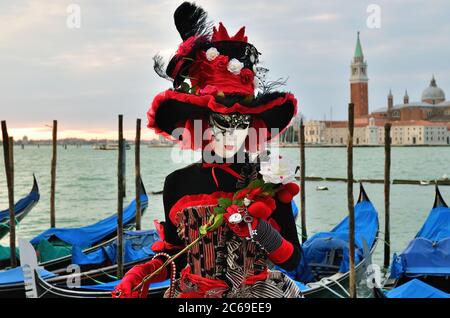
(321, 17)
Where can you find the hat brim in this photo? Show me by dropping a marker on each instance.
(171, 109)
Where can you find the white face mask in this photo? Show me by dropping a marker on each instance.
(230, 132)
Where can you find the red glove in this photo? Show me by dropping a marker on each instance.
(135, 276)
(241, 229)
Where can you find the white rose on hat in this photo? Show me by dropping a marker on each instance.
(212, 53)
(235, 66)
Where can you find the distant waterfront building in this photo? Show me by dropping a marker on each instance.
(432, 107)
(25, 140)
(315, 132)
(413, 123)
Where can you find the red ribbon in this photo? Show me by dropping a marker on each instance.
(224, 166)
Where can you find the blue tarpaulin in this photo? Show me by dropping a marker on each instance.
(315, 249)
(294, 209)
(137, 246)
(429, 252)
(416, 289)
(86, 236)
(15, 275)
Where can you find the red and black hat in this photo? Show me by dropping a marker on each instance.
(222, 71)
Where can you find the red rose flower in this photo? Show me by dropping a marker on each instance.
(232, 209)
(209, 90)
(247, 76)
(220, 62)
(255, 192)
(186, 47)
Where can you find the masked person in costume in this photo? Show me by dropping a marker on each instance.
(234, 259)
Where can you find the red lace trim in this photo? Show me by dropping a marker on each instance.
(208, 102)
(192, 200)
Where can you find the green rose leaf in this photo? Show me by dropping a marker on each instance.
(224, 202)
(219, 210)
(257, 183)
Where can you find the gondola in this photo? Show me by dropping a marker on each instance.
(44, 289)
(323, 271)
(95, 268)
(21, 208)
(422, 270)
(56, 288)
(36, 286)
(55, 244)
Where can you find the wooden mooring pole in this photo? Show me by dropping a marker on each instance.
(124, 167)
(387, 191)
(120, 191)
(53, 175)
(11, 159)
(350, 200)
(302, 181)
(137, 165)
(9, 171)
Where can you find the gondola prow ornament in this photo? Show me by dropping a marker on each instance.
(229, 217)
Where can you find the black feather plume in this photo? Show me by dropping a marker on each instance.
(190, 20)
(160, 67)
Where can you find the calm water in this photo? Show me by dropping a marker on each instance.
(86, 185)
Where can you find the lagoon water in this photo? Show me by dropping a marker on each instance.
(87, 186)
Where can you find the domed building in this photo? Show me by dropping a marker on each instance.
(432, 107)
(433, 94)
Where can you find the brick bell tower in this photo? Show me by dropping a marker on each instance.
(359, 82)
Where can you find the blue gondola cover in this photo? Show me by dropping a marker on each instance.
(429, 252)
(137, 246)
(416, 289)
(15, 275)
(86, 236)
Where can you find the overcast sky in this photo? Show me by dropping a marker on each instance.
(85, 77)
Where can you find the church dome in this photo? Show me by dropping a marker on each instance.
(433, 94)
